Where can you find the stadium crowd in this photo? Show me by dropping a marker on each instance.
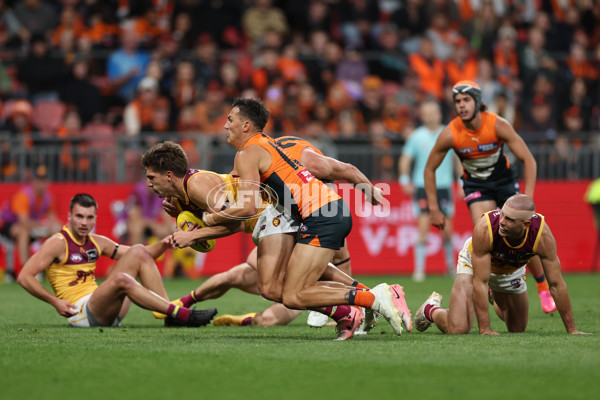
(336, 71)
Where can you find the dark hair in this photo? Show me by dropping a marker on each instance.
(84, 200)
(166, 156)
(253, 109)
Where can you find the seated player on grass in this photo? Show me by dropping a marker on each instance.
(69, 259)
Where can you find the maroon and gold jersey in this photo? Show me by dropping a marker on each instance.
(73, 277)
(506, 258)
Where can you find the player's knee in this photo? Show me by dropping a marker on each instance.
(124, 281)
(270, 291)
(139, 252)
(457, 330)
(292, 300)
(234, 277)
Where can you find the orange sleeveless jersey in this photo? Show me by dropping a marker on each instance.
(480, 151)
(295, 146)
(296, 189)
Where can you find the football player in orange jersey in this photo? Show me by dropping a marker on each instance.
(478, 138)
(325, 219)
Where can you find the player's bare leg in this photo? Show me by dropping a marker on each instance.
(514, 309)
(277, 314)
(461, 312)
(107, 301)
(273, 256)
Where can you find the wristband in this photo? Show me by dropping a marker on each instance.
(204, 219)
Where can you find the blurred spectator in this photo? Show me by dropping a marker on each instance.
(19, 127)
(503, 107)
(9, 26)
(262, 16)
(394, 116)
(391, 63)
(267, 71)
(206, 61)
(212, 112)
(184, 89)
(78, 91)
(481, 30)
(326, 117)
(291, 69)
(139, 115)
(445, 7)
(576, 107)
(566, 21)
(506, 60)
(316, 17)
(349, 124)
(351, 70)
(371, 104)
(169, 54)
(148, 28)
(70, 21)
(538, 123)
(461, 64)
(229, 80)
(35, 17)
(490, 87)
(359, 20)
(314, 60)
(145, 216)
(411, 20)
(563, 160)
(444, 37)
(534, 58)
(182, 31)
(578, 66)
(382, 151)
(306, 101)
(19, 124)
(126, 66)
(429, 69)
(40, 72)
(103, 31)
(73, 158)
(30, 213)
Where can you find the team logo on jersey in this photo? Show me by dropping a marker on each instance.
(305, 175)
(465, 150)
(276, 221)
(92, 255)
(303, 228)
(487, 146)
(76, 257)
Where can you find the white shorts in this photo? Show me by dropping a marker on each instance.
(272, 222)
(83, 318)
(464, 264)
(513, 283)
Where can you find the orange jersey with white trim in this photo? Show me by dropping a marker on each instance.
(73, 277)
(297, 190)
(481, 151)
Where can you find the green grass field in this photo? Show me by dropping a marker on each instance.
(42, 358)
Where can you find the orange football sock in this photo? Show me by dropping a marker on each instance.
(541, 286)
(361, 286)
(364, 298)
